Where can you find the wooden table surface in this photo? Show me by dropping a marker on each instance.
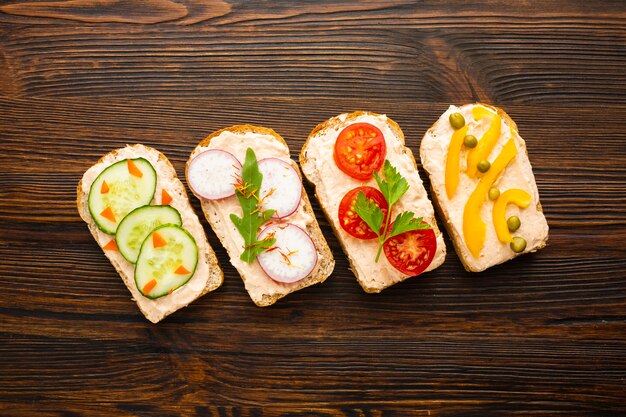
(542, 335)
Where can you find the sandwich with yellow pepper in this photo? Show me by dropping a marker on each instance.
(483, 185)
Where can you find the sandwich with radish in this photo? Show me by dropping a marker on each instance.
(484, 186)
(367, 183)
(139, 214)
(252, 196)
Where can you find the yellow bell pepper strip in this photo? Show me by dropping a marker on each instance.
(453, 160)
(474, 228)
(486, 143)
(515, 196)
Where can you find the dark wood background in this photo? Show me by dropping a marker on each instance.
(542, 335)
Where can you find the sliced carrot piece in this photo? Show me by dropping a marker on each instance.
(181, 270)
(107, 213)
(132, 168)
(111, 245)
(104, 188)
(158, 240)
(166, 198)
(149, 286)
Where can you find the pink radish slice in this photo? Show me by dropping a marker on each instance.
(292, 257)
(281, 188)
(213, 173)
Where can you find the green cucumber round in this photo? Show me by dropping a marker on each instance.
(158, 269)
(125, 192)
(138, 224)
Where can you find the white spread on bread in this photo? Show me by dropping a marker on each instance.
(518, 174)
(334, 184)
(257, 283)
(157, 308)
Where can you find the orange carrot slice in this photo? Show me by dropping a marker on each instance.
(104, 188)
(111, 245)
(158, 240)
(149, 286)
(107, 213)
(165, 198)
(181, 270)
(132, 168)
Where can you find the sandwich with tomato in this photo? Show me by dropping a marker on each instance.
(484, 186)
(252, 196)
(367, 183)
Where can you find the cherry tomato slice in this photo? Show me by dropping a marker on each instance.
(350, 220)
(411, 252)
(360, 150)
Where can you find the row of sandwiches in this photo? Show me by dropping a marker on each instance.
(366, 181)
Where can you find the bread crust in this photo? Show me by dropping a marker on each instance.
(457, 241)
(303, 158)
(326, 261)
(215, 276)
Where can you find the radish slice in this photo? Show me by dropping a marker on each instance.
(292, 257)
(213, 173)
(281, 188)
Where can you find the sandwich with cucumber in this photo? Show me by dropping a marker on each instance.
(483, 185)
(252, 196)
(139, 214)
(367, 183)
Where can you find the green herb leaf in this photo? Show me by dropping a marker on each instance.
(406, 222)
(252, 216)
(369, 211)
(393, 186)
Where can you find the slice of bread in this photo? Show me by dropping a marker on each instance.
(208, 275)
(518, 174)
(266, 143)
(331, 184)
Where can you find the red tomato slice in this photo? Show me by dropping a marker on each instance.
(350, 220)
(411, 252)
(360, 150)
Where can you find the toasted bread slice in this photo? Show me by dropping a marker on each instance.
(266, 143)
(207, 277)
(331, 184)
(517, 174)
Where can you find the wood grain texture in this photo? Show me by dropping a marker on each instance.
(542, 335)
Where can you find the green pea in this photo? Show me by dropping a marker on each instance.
(494, 193)
(514, 223)
(457, 120)
(483, 166)
(518, 244)
(470, 141)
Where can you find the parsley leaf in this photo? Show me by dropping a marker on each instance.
(393, 188)
(253, 216)
(406, 222)
(369, 211)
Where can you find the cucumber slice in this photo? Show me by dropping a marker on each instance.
(166, 261)
(119, 189)
(138, 224)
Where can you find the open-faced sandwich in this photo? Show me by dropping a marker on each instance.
(367, 183)
(252, 196)
(138, 212)
(484, 185)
